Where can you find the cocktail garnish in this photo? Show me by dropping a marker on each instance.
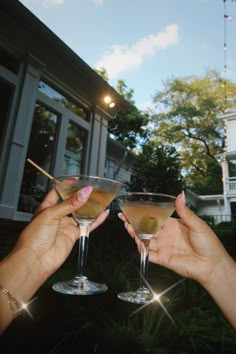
(148, 224)
(41, 169)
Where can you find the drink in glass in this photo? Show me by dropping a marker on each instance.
(104, 191)
(147, 213)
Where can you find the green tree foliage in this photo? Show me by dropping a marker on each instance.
(125, 92)
(158, 169)
(130, 127)
(103, 73)
(188, 116)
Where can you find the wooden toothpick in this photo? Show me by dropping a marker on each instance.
(40, 169)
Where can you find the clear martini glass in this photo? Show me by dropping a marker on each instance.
(104, 191)
(147, 213)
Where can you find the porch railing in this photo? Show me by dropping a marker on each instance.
(220, 220)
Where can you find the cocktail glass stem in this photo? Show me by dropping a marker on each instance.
(144, 253)
(83, 249)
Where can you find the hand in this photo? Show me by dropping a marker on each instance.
(51, 234)
(187, 245)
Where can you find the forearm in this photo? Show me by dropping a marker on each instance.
(21, 275)
(222, 288)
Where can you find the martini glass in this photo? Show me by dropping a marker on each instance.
(104, 191)
(147, 213)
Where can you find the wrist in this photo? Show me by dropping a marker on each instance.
(221, 274)
(21, 273)
(222, 288)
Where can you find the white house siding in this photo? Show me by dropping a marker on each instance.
(211, 208)
(229, 159)
(231, 134)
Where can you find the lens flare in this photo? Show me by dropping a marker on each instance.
(157, 298)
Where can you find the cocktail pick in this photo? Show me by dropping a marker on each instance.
(40, 169)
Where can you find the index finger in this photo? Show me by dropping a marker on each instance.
(50, 200)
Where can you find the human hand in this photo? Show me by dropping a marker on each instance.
(187, 245)
(51, 234)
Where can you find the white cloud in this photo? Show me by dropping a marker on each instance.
(98, 2)
(122, 58)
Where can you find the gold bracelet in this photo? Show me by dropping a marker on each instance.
(12, 300)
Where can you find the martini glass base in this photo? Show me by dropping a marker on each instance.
(141, 296)
(79, 286)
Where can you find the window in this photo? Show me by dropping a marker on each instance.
(41, 148)
(6, 94)
(75, 147)
(79, 110)
(232, 168)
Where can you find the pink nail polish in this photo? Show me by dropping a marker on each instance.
(183, 197)
(126, 225)
(84, 192)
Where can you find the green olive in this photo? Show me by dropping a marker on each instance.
(148, 224)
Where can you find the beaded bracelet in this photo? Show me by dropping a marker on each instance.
(12, 300)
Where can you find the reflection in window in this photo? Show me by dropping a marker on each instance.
(232, 168)
(75, 148)
(79, 110)
(40, 150)
(110, 168)
(6, 93)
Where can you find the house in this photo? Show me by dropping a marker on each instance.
(228, 163)
(221, 207)
(119, 162)
(207, 205)
(52, 111)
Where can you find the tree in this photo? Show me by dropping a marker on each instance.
(125, 92)
(130, 127)
(103, 73)
(212, 181)
(157, 169)
(188, 117)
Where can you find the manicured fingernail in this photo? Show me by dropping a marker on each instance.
(84, 192)
(120, 215)
(183, 197)
(126, 225)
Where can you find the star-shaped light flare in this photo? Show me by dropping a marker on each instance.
(157, 298)
(25, 306)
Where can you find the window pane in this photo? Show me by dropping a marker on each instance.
(40, 150)
(79, 110)
(232, 168)
(75, 148)
(6, 94)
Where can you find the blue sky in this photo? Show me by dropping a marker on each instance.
(144, 42)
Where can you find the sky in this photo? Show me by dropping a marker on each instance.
(145, 42)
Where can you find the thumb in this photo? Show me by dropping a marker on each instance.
(189, 218)
(71, 204)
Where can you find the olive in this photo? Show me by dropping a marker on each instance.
(148, 224)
